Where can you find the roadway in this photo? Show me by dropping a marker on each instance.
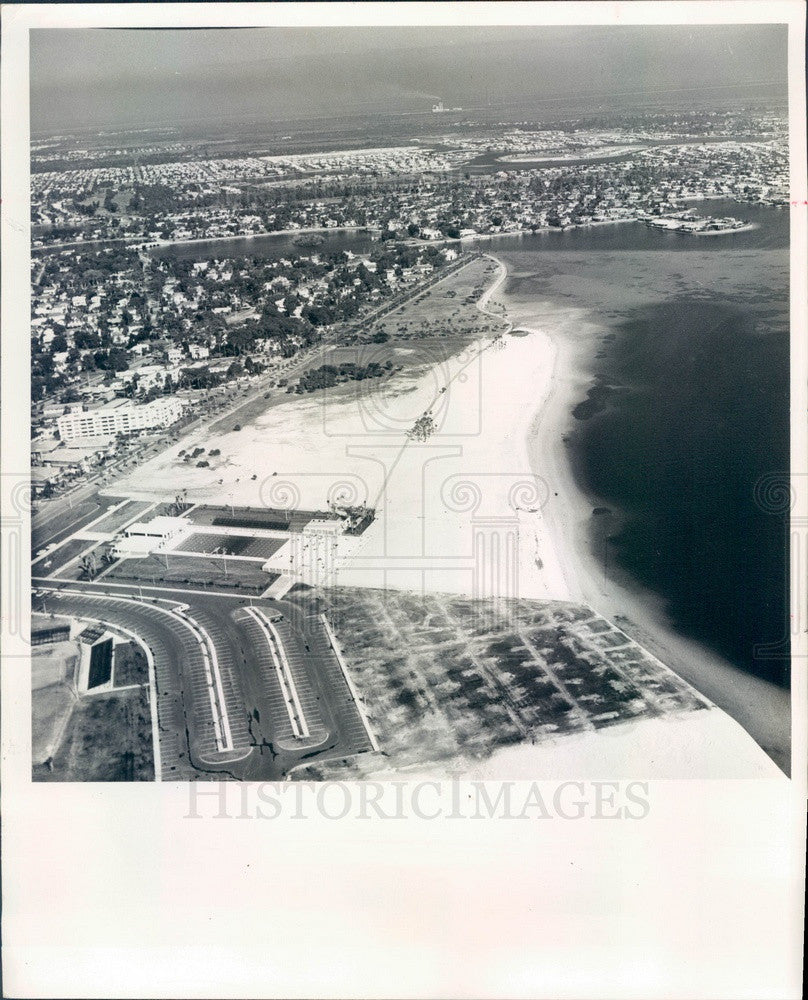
(221, 707)
(66, 515)
(59, 517)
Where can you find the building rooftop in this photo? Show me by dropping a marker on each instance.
(91, 634)
(160, 525)
(112, 404)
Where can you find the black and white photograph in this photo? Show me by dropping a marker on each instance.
(409, 403)
(424, 423)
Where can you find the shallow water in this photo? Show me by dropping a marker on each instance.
(686, 411)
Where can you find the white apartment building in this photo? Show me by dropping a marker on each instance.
(118, 416)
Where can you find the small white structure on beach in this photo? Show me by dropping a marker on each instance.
(325, 526)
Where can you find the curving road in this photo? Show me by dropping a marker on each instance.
(222, 711)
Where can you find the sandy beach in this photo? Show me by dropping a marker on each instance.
(695, 745)
(460, 512)
(759, 706)
(487, 505)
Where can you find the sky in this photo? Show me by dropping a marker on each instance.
(107, 78)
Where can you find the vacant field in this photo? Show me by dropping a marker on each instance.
(130, 665)
(447, 308)
(53, 662)
(446, 679)
(108, 738)
(52, 698)
(236, 545)
(170, 568)
(59, 558)
(50, 709)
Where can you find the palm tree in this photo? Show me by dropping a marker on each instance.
(88, 565)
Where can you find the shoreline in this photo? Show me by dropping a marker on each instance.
(757, 705)
(721, 232)
(430, 498)
(142, 242)
(374, 231)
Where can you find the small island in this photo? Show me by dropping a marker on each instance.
(687, 222)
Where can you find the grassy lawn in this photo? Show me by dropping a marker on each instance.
(118, 518)
(131, 666)
(190, 570)
(77, 572)
(60, 557)
(447, 308)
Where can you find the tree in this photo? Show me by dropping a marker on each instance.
(118, 359)
(86, 339)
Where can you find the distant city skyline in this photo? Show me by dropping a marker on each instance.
(117, 78)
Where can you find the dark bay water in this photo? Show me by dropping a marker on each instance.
(687, 410)
(771, 232)
(693, 413)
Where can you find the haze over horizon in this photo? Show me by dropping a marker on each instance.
(123, 78)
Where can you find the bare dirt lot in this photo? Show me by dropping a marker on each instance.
(52, 696)
(108, 738)
(446, 679)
